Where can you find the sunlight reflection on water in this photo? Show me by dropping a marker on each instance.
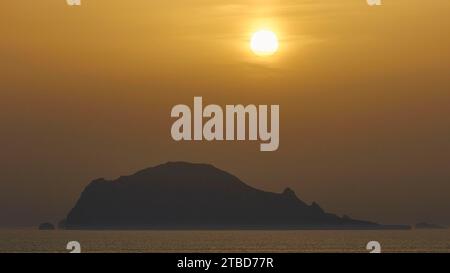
(224, 241)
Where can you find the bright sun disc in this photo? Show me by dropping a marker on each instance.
(264, 43)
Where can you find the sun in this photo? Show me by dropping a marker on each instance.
(264, 43)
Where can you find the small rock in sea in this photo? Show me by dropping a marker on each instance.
(46, 226)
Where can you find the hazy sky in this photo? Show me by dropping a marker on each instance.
(364, 95)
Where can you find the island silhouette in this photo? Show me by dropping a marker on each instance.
(181, 195)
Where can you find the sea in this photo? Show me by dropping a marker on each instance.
(221, 241)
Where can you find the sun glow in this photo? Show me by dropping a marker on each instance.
(264, 43)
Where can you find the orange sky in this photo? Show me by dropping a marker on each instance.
(364, 97)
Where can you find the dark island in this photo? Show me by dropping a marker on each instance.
(179, 195)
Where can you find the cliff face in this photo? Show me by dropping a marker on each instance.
(194, 196)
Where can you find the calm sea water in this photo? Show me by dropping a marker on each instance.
(224, 241)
